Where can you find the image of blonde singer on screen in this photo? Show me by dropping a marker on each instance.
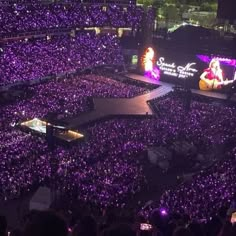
(212, 77)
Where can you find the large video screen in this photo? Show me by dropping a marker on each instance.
(205, 72)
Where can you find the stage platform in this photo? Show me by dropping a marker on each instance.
(61, 133)
(138, 105)
(104, 107)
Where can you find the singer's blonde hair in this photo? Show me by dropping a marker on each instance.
(213, 61)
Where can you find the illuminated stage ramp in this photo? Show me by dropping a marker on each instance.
(36, 125)
(58, 131)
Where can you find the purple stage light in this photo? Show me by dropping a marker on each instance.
(223, 60)
(163, 211)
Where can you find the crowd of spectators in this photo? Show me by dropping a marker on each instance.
(206, 194)
(104, 168)
(40, 17)
(66, 97)
(27, 60)
(50, 222)
(209, 192)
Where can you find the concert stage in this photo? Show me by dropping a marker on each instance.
(105, 107)
(59, 132)
(139, 106)
(108, 107)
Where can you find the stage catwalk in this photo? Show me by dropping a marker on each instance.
(130, 106)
